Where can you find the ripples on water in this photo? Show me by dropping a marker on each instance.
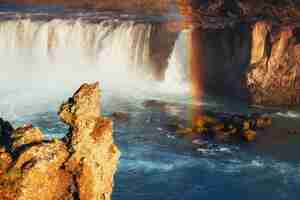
(158, 164)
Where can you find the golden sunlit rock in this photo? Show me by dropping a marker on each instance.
(249, 135)
(55, 170)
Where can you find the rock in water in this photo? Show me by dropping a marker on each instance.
(94, 157)
(53, 170)
(85, 103)
(120, 116)
(26, 135)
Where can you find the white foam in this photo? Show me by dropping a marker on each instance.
(288, 114)
(43, 58)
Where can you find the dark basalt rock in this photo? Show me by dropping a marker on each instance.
(226, 127)
(6, 130)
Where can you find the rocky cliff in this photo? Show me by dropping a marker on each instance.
(274, 72)
(81, 166)
(256, 61)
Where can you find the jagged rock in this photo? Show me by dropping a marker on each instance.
(274, 74)
(37, 174)
(42, 176)
(26, 135)
(53, 170)
(84, 103)
(94, 156)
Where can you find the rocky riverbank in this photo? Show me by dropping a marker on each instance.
(81, 166)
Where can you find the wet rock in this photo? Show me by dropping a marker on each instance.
(203, 121)
(120, 116)
(246, 125)
(249, 135)
(155, 104)
(226, 127)
(294, 132)
(263, 122)
(184, 131)
(26, 135)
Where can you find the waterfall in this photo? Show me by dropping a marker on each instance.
(40, 59)
(177, 73)
(61, 50)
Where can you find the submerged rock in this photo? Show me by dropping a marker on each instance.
(83, 168)
(120, 116)
(155, 104)
(224, 127)
(184, 131)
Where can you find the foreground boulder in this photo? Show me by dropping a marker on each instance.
(94, 156)
(81, 166)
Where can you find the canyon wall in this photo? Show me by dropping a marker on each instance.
(274, 73)
(259, 62)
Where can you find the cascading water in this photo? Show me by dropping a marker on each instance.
(47, 54)
(177, 73)
(47, 50)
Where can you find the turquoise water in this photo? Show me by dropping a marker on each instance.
(156, 163)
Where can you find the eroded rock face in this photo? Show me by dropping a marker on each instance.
(26, 135)
(83, 168)
(274, 73)
(94, 156)
(42, 173)
(257, 62)
(85, 103)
